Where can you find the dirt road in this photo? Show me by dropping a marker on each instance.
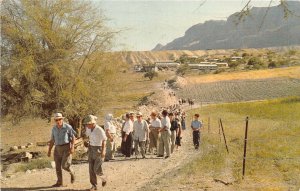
(122, 174)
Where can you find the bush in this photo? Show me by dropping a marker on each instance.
(34, 164)
(182, 69)
(254, 61)
(150, 75)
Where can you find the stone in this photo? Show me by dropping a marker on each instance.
(13, 148)
(28, 171)
(53, 164)
(28, 155)
(22, 147)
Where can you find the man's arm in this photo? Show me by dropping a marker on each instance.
(103, 149)
(51, 143)
(72, 147)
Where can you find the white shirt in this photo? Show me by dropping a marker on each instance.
(128, 127)
(156, 123)
(109, 126)
(97, 136)
(165, 122)
(140, 130)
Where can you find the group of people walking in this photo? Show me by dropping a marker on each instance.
(160, 136)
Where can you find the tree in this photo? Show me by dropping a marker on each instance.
(182, 69)
(151, 74)
(254, 61)
(54, 59)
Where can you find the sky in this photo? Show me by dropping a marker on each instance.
(143, 23)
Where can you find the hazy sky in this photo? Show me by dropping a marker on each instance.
(147, 23)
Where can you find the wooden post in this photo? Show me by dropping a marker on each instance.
(245, 147)
(224, 135)
(219, 129)
(208, 125)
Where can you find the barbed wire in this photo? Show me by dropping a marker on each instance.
(273, 158)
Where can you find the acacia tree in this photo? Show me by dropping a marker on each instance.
(54, 58)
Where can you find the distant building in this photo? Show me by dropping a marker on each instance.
(222, 64)
(203, 66)
(148, 68)
(166, 64)
(138, 68)
(236, 58)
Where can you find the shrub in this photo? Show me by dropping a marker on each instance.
(150, 75)
(34, 164)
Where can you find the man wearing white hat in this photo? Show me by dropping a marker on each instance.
(63, 137)
(110, 130)
(97, 141)
(140, 134)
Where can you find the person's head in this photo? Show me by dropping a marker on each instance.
(127, 116)
(171, 116)
(109, 117)
(196, 116)
(131, 116)
(90, 121)
(153, 115)
(164, 113)
(139, 116)
(58, 118)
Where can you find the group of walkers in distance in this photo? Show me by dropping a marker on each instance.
(159, 135)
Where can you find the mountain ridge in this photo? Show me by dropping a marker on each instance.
(262, 27)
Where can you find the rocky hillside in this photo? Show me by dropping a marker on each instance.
(148, 57)
(256, 30)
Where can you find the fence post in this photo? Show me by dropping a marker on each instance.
(245, 147)
(208, 125)
(224, 135)
(219, 129)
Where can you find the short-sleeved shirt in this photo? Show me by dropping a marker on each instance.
(196, 124)
(174, 125)
(128, 127)
(165, 122)
(62, 135)
(156, 123)
(109, 126)
(140, 130)
(96, 136)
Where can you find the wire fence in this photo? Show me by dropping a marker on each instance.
(251, 145)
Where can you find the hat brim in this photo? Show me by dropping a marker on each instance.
(58, 118)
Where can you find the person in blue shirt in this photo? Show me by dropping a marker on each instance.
(196, 127)
(63, 137)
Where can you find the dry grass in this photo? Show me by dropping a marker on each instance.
(273, 144)
(290, 72)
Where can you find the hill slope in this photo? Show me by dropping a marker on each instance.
(256, 30)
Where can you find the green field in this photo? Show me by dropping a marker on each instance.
(273, 155)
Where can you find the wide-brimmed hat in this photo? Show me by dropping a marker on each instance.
(139, 114)
(58, 116)
(109, 117)
(90, 119)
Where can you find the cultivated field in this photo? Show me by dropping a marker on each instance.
(289, 72)
(241, 90)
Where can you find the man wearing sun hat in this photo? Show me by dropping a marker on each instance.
(63, 137)
(140, 134)
(97, 141)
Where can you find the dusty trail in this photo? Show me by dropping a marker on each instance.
(131, 174)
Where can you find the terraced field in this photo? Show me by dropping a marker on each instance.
(241, 90)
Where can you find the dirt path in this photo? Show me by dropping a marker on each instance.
(121, 174)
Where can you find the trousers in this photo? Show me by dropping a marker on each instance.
(95, 164)
(63, 160)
